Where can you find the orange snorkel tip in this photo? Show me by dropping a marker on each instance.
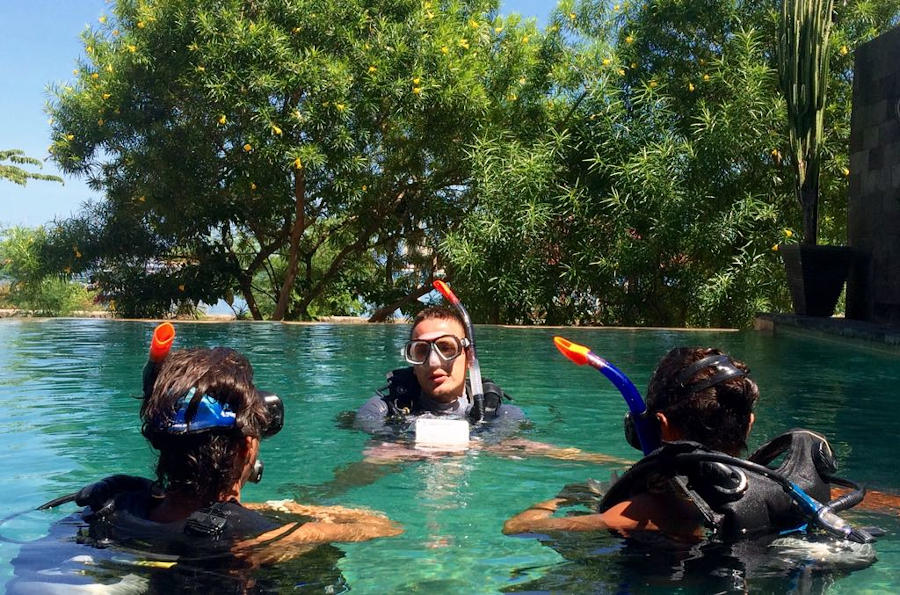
(445, 291)
(578, 354)
(161, 343)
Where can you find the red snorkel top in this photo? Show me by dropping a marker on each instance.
(161, 343)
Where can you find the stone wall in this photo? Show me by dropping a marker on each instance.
(873, 291)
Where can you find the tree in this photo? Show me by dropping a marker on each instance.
(273, 146)
(20, 175)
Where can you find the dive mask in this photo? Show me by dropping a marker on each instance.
(195, 415)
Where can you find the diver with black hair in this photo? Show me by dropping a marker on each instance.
(204, 416)
(691, 485)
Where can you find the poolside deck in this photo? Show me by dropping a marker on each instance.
(869, 332)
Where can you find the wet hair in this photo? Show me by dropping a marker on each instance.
(202, 464)
(439, 313)
(716, 416)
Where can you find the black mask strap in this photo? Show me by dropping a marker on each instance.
(725, 370)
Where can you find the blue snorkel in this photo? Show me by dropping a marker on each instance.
(581, 355)
(477, 413)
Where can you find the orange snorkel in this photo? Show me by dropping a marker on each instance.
(160, 345)
(475, 368)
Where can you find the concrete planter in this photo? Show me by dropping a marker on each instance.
(816, 276)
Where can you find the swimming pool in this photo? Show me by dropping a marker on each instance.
(67, 417)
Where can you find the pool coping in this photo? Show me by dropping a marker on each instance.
(864, 333)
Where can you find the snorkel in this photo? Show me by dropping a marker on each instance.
(160, 345)
(474, 367)
(581, 355)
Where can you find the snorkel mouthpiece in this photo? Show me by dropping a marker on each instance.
(160, 345)
(581, 355)
(475, 368)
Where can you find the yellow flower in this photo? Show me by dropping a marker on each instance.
(498, 30)
(340, 107)
(417, 90)
(521, 80)
(444, 49)
(101, 122)
(105, 96)
(248, 147)
(222, 119)
(525, 39)
(70, 137)
(372, 69)
(181, 287)
(473, 23)
(74, 71)
(844, 50)
(295, 30)
(364, 187)
(95, 76)
(845, 171)
(89, 49)
(115, 32)
(416, 80)
(629, 39)
(131, 48)
(201, 69)
(606, 61)
(463, 42)
(102, 18)
(142, 199)
(298, 164)
(68, 269)
(140, 24)
(252, 185)
(634, 65)
(621, 72)
(788, 233)
(705, 77)
(616, 8)
(276, 130)
(776, 153)
(652, 84)
(571, 16)
(702, 61)
(109, 68)
(774, 247)
(512, 97)
(691, 87)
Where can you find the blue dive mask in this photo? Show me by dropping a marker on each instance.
(209, 414)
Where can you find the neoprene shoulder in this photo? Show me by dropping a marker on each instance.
(735, 501)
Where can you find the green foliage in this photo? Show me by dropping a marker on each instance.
(20, 175)
(31, 287)
(251, 138)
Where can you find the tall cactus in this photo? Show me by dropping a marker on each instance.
(803, 73)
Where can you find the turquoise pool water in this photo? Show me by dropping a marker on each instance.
(67, 417)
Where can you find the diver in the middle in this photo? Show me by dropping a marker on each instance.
(435, 383)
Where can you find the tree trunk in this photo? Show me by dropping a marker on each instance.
(284, 294)
(381, 314)
(246, 290)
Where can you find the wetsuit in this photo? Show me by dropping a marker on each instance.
(735, 502)
(395, 407)
(133, 554)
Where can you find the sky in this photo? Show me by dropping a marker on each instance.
(39, 44)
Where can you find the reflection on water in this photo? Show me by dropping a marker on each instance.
(68, 417)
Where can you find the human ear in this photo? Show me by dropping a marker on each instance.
(666, 430)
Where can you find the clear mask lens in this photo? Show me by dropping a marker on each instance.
(448, 348)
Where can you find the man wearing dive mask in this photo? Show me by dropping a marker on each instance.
(700, 404)
(204, 416)
(435, 383)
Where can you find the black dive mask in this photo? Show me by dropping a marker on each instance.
(725, 370)
(274, 414)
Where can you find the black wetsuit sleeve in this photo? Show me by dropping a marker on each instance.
(371, 416)
(508, 421)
